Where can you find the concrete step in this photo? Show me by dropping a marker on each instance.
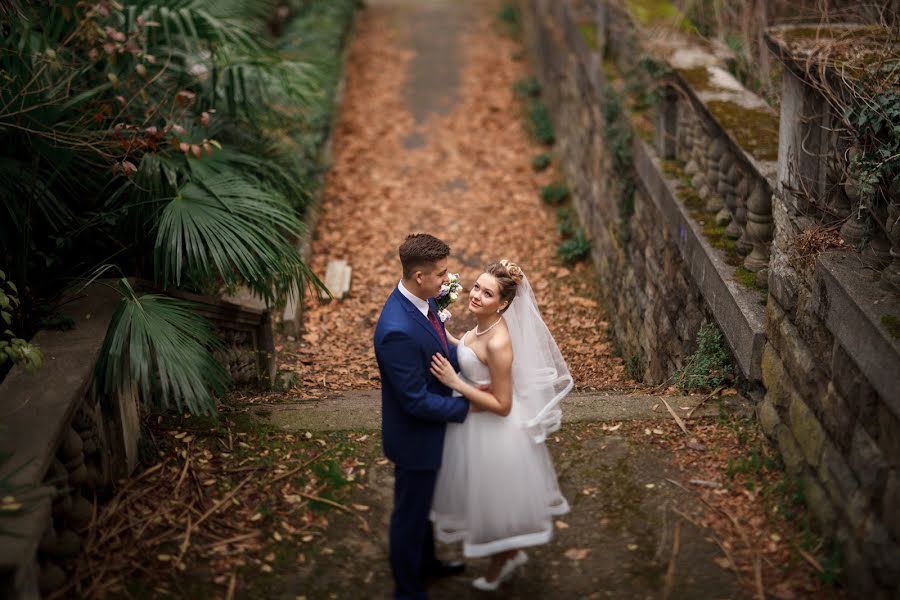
(361, 409)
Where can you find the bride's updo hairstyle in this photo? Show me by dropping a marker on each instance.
(508, 275)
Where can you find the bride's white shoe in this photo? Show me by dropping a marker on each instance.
(511, 565)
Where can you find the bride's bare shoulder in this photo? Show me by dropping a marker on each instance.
(500, 341)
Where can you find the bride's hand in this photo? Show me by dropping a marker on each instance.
(443, 371)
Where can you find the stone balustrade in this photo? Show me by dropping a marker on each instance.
(663, 274)
(821, 183)
(686, 197)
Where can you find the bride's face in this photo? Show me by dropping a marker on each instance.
(484, 297)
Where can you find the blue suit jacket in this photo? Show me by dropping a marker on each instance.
(415, 407)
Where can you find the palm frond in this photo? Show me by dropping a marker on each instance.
(159, 345)
(193, 24)
(225, 228)
(261, 160)
(244, 82)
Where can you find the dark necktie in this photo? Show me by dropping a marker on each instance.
(437, 327)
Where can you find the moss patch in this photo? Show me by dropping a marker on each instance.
(717, 239)
(674, 169)
(714, 233)
(892, 324)
(642, 126)
(589, 33)
(652, 12)
(690, 198)
(747, 278)
(697, 77)
(754, 129)
(871, 33)
(610, 70)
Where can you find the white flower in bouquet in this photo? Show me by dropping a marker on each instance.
(448, 295)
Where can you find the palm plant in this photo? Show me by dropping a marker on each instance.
(156, 344)
(144, 133)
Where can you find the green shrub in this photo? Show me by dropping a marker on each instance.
(541, 161)
(710, 366)
(540, 125)
(554, 193)
(575, 249)
(527, 87)
(634, 366)
(510, 18)
(14, 349)
(180, 138)
(618, 136)
(565, 221)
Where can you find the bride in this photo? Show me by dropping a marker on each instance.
(497, 491)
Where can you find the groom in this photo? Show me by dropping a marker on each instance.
(415, 409)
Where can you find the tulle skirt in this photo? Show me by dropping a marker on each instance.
(497, 488)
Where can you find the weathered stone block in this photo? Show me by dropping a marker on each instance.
(798, 360)
(836, 475)
(768, 416)
(889, 435)
(819, 504)
(852, 385)
(868, 462)
(790, 451)
(807, 430)
(860, 581)
(883, 554)
(838, 418)
(859, 512)
(778, 383)
(890, 504)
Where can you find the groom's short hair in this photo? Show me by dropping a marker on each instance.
(419, 250)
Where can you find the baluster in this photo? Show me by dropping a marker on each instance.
(759, 228)
(742, 243)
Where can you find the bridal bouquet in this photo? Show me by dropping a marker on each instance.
(449, 294)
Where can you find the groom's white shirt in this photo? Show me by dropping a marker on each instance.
(422, 305)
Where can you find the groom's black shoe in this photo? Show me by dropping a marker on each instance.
(445, 568)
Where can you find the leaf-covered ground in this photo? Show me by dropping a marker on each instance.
(453, 160)
(232, 508)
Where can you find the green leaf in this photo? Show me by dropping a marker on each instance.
(223, 227)
(161, 346)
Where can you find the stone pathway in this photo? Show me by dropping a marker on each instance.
(617, 542)
(431, 125)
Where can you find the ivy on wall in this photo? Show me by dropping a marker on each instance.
(618, 135)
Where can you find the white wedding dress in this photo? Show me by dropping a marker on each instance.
(497, 488)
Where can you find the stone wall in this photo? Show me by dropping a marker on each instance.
(831, 368)
(660, 277)
(693, 213)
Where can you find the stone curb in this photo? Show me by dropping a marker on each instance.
(362, 410)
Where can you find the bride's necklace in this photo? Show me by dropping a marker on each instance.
(494, 324)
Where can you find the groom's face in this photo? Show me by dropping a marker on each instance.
(432, 277)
